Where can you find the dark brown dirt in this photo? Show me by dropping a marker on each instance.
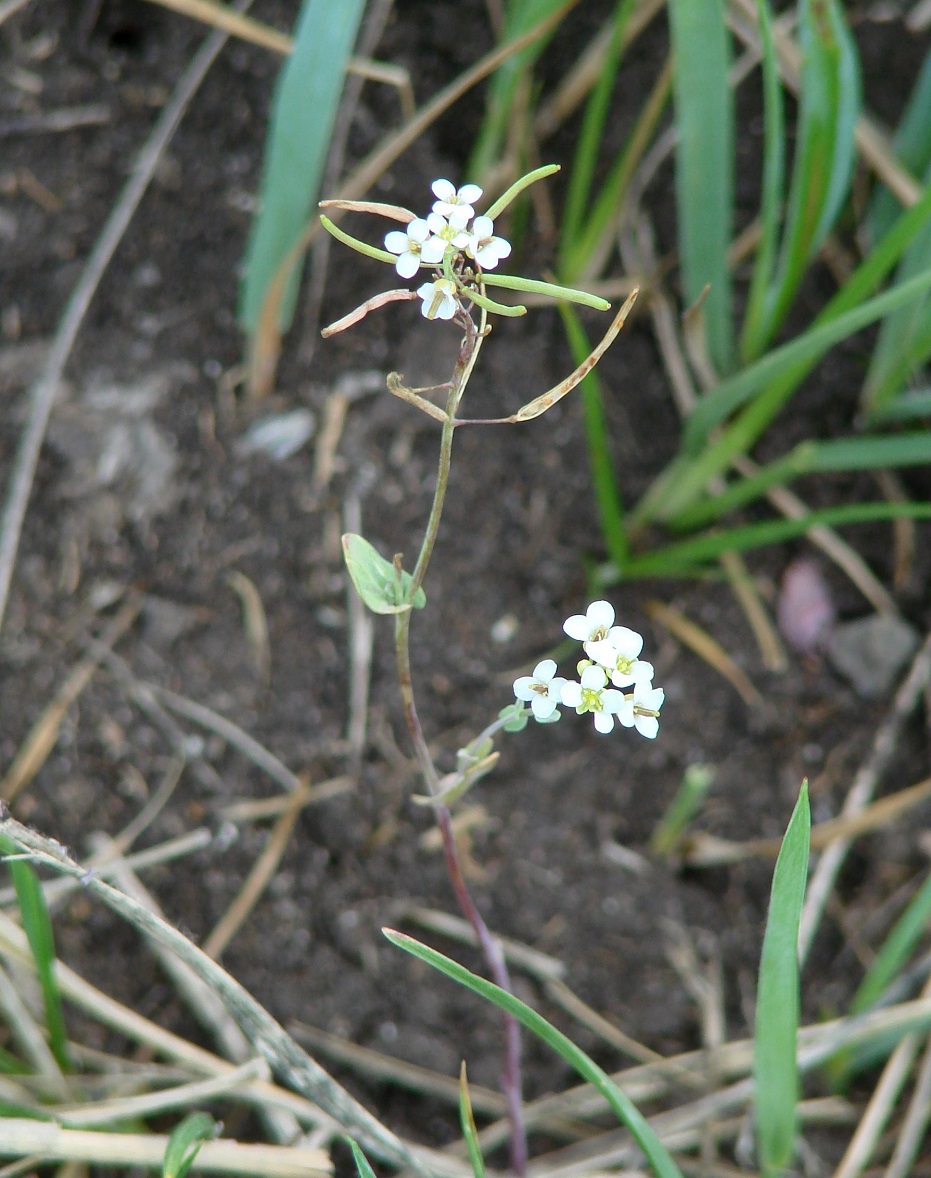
(520, 524)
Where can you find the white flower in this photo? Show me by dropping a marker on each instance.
(593, 625)
(617, 653)
(483, 246)
(445, 233)
(640, 709)
(455, 204)
(408, 246)
(542, 690)
(439, 299)
(590, 696)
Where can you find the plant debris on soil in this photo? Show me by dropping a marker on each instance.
(155, 487)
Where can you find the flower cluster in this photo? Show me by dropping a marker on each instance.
(448, 236)
(613, 657)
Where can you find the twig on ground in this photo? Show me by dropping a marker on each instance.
(537, 964)
(29, 1038)
(915, 1124)
(256, 881)
(286, 1058)
(104, 865)
(44, 735)
(45, 389)
(55, 120)
(153, 1103)
(8, 7)
(54, 1144)
(864, 784)
(250, 748)
(376, 1065)
(895, 1072)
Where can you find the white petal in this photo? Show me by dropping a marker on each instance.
(600, 614)
(602, 652)
(523, 689)
(483, 226)
(459, 215)
(612, 701)
(418, 230)
(625, 712)
(572, 694)
(542, 706)
(447, 309)
(469, 193)
(396, 241)
(649, 698)
(626, 642)
(407, 265)
(577, 627)
(443, 189)
(487, 257)
(545, 670)
(647, 726)
(432, 251)
(594, 678)
(436, 223)
(642, 672)
(604, 721)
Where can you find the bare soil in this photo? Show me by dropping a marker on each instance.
(143, 488)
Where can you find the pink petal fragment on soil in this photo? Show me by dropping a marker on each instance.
(805, 612)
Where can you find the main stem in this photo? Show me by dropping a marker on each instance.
(490, 947)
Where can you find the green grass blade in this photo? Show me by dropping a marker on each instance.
(705, 164)
(10, 1065)
(578, 196)
(895, 952)
(607, 495)
(363, 1168)
(620, 1104)
(775, 1071)
(304, 110)
(825, 153)
(806, 349)
(598, 234)
(690, 558)
(774, 150)
(520, 17)
(667, 834)
(767, 384)
(838, 454)
(469, 1130)
(37, 925)
(905, 407)
(185, 1143)
(905, 338)
(912, 145)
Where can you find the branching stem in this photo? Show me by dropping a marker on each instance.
(491, 949)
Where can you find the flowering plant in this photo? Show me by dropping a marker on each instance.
(459, 249)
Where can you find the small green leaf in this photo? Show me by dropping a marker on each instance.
(185, 1142)
(515, 717)
(376, 580)
(775, 1070)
